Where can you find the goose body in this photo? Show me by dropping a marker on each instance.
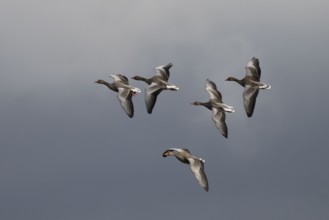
(196, 164)
(124, 90)
(157, 84)
(216, 105)
(251, 83)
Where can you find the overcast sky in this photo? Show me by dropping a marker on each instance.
(68, 151)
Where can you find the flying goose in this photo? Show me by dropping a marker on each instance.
(157, 83)
(196, 164)
(125, 92)
(216, 105)
(251, 83)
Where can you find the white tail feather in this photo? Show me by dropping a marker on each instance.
(228, 108)
(172, 87)
(135, 89)
(265, 86)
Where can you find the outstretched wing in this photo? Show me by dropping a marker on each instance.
(163, 71)
(253, 69)
(118, 77)
(249, 99)
(124, 96)
(218, 116)
(211, 88)
(197, 167)
(151, 94)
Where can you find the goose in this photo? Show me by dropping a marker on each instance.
(157, 83)
(216, 105)
(124, 90)
(251, 83)
(196, 164)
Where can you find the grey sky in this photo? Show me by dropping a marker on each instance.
(68, 151)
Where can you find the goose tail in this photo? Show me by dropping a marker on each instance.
(265, 86)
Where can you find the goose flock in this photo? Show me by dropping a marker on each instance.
(159, 82)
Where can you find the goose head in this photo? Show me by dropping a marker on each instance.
(100, 81)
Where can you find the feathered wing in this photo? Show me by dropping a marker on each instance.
(124, 96)
(256, 64)
(253, 69)
(151, 94)
(218, 116)
(249, 99)
(118, 77)
(197, 167)
(123, 79)
(163, 71)
(211, 88)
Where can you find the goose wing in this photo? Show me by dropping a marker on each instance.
(124, 96)
(163, 71)
(123, 79)
(120, 79)
(218, 116)
(197, 167)
(151, 94)
(253, 69)
(211, 88)
(249, 99)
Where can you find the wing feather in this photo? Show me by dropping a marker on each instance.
(253, 69)
(163, 71)
(212, 90)
(249, 99)
(151, 94)
(218, 116)
(124, 96)
(197, 167)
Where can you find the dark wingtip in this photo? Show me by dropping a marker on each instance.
(168, 66)
(224, 134)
